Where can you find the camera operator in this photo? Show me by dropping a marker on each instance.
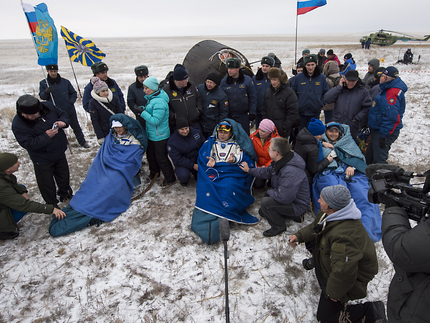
(344, 259)
(409, 294)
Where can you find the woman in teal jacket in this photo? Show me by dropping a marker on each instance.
(156, 114)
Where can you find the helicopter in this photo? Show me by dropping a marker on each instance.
(385, 38)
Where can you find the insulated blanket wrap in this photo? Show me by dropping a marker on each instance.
(106, 191)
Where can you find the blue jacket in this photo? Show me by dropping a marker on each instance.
(214, 108)
(310, 92)
(289, 181)
(261, 84)
(184, 150)
(31, 135)
(242, 98)
(63, 92)
(349, 65)
(113, 86)
(156, 115)
(386, 113)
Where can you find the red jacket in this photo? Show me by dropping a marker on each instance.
(261, 150)
(334, 58)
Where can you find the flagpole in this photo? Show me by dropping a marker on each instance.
(295, 48)
(74, 74)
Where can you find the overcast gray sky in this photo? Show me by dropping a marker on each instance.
(142, 18)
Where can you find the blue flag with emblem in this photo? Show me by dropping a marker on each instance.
(80, 49)
(44, 33)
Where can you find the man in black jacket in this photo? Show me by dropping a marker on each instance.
(38, 127)
(184, 99)
(60, 92)
(135, 95)
(409, 294)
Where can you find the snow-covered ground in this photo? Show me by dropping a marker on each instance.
(147, 265)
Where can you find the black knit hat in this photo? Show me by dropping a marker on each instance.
(351, 75)
(233, 62)
(27, 104)
(181, 122)
(347, 56)
(180, 73)
(141, 70)
(99, 67)
(330, 52)
(7, 160)
(52, 67)
(214, 77)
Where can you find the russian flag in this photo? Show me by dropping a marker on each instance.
(304, 6)
(30, 13)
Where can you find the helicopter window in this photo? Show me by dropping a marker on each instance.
(382, 36)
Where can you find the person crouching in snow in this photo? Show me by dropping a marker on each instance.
(14, 200)
(289, 197)
(107, 189)
(102, 105)
(183, 148)
(223, 189)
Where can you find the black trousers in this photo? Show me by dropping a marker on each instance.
(158, 159)
(74, 124)
(276, 213)
(335, 312)
(49, 173)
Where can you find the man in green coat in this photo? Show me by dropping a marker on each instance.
(344, 258)
(14, 200)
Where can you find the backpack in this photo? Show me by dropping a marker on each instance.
(335, 80)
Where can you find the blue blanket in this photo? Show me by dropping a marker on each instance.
(106, 191)
(225, 190)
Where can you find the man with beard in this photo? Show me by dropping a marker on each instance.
(310, 87)
(100, 70)
(215, 104)
(240, 90)
(135, 95)
(38, 128)
(61, 93)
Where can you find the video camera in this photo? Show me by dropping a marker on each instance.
(391, 186)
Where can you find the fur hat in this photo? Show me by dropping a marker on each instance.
(337, 196)
(151, 83)
(7, 160)
(182, 122)
(268, 60)
(267, 125)
(98, 85)
(274, 73)
(310, 58)
(347, 56)
(214, 77)
(180, 73)
(306, 51)
(233, 62)
(316, 127)
(330, 52)
(99, 67)
(141, 70)
(391, 71)
(52, 67)
(28, 104)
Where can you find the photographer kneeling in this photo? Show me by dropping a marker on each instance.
(409, 294)
(344, 258)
